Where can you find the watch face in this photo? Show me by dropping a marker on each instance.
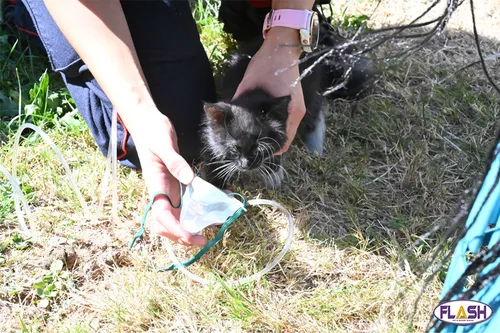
(314, 31)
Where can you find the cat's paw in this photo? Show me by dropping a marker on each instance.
(316, 139)
(274, 179)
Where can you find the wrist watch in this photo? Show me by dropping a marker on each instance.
(306, 21)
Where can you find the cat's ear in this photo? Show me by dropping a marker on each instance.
(216, 112)
(278, 107)
(282, 102)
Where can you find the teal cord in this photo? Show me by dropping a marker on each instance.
(141, 230)
(207, 247)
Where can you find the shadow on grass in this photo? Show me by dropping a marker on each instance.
(398, 161)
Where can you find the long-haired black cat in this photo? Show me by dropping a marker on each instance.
(242, 135)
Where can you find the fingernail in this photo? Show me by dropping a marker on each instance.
(185, 176)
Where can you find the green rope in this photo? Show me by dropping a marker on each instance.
(207, 247)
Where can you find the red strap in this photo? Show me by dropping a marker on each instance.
(27, 31)
(260, 3)
(124, 142)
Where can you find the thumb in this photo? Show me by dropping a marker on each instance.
(178, 166)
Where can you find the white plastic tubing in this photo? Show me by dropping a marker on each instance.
(19, 196)
(19, 199)
(256, 276)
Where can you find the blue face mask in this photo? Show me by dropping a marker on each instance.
(204, 204)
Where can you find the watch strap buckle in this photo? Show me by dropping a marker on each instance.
(267, 23)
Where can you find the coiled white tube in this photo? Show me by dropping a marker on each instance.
(256, 276)
(19, 196)
(48, 140)
(112, 154)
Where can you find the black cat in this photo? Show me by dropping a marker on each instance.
(242, 135)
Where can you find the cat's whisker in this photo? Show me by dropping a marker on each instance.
(254, 159)
(263, 149)
(269, 138)
(222, 175)
(235, 170)
(260, 170)
(263, 153)
(265, 173)
(224, 169)
(274, 177)
(268, 149)
(230, 173)
(219, 162)
(282, 168)
(277, 175)
(204, 150)
(278, 146)
(221, 153)
(219, 174)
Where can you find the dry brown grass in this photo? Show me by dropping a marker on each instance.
(397, 163)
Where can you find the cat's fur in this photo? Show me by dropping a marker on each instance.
(242, 135)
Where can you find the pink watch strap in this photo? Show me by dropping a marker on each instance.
(290, 18)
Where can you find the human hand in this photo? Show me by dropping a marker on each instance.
(275, 56)
(163, 168)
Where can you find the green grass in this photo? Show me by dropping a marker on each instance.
(216, 42)
(397, 164)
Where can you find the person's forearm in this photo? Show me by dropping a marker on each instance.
(293, 4)
(99, 33)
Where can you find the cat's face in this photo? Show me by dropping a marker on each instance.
(245, 134)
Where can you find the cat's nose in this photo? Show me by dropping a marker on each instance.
(244, 163)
